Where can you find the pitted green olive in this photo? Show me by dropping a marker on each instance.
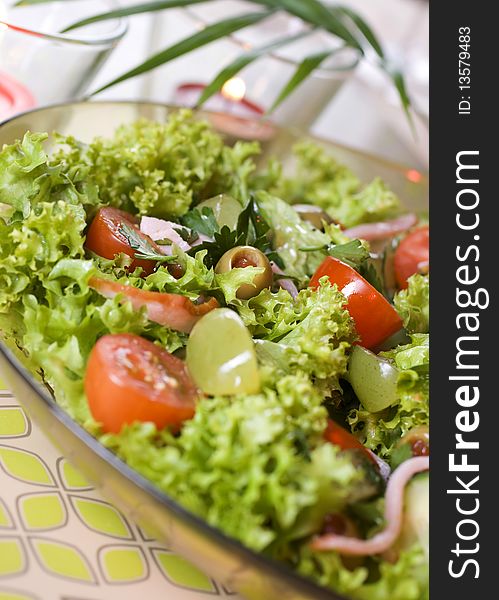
(313, 214)
(247, 256)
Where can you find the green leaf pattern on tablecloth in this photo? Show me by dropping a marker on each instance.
(57, 527)
(5, 518)
(12, 556)
(62, 559)
(13, 422)
(13, 595)
(41, 511)
(101, 517)
(25, 466)
(71, 479)
(181, 572)
(123, 564)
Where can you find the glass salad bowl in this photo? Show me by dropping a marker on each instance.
(249, 573)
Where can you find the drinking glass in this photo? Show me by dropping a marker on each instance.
(257, 86)
(39, 65)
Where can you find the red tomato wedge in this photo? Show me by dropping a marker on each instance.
(171, 310)
(336, 434)
(129, 379)
(412, 255)
(105, 238)
(375, 318)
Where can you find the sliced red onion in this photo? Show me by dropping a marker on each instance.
(383, 229)
(286, 284)
(159, 229)
(394, 500)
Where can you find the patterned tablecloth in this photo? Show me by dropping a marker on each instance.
(60, 540)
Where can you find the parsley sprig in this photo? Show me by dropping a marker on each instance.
(252, 229)
(144, 249)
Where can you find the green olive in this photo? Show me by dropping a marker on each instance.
(313, 214)
(247, 256)
(225, 208)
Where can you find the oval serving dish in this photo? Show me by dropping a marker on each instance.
(251, 574)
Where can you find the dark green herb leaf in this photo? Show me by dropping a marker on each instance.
(203, 221)
(224, 240)
(188, 235)
(352, 253)
(370, 274)
(145, 250)
(400, 454)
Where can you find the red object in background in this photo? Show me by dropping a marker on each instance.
(14, 97)
(232, 113)
(188, 94)
(412, 255)
(375, 318)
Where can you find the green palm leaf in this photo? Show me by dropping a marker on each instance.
(243, 61)
(317, 14)
(202, 38)
(309, 64)
(128, 11)
(362, 26)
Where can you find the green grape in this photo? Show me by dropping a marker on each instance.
(373, 379)
(225, 208)
(221, 356)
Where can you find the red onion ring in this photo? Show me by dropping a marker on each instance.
(286, 284)
(383, 229)
(394, 500)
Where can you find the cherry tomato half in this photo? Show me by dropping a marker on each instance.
(105, 237)
(412, 255)
(375, 318)
(336, 434)
(129, 379)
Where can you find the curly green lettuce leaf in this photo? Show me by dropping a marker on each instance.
(319, 179)
(381, 431)
(27, 179)
(413, 304)
(161, 169)
(310, 334)
(30, 248)
(406, 579)
(238, 464)
(235, 167)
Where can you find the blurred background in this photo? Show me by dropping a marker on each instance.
(354, 104)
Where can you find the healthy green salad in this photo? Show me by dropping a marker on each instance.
(253, 342)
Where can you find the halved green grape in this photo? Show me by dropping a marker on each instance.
(225, 208)
(247, 256)
(373, 379)
(221, 356)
